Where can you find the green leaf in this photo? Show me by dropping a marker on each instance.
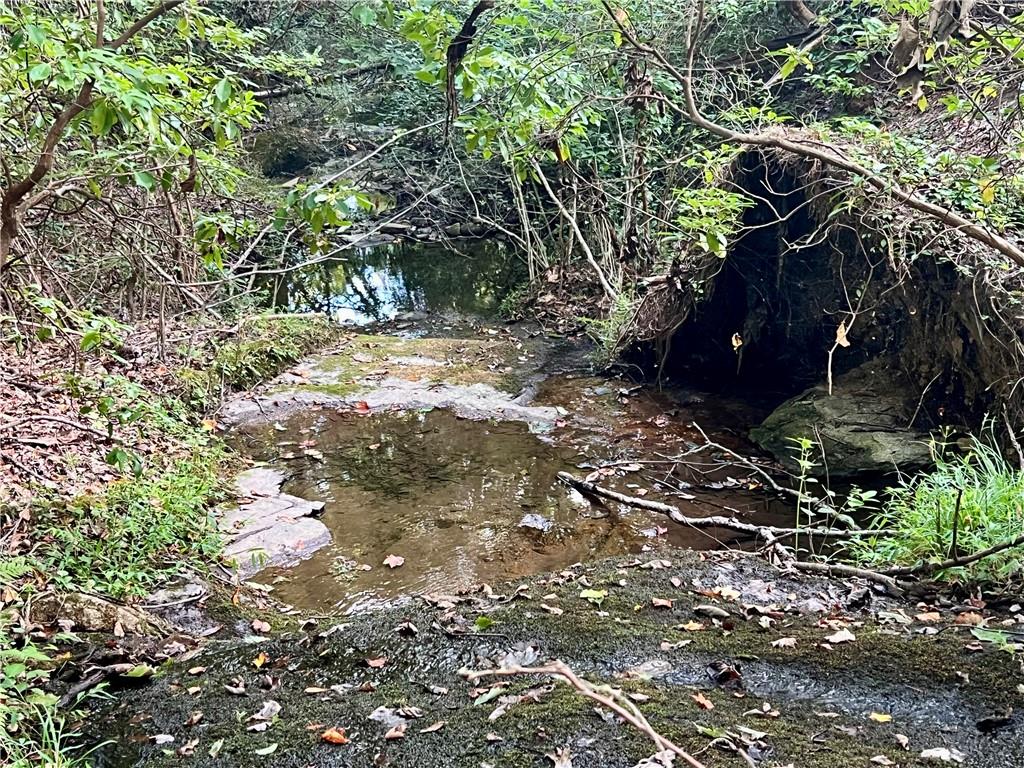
(491, 695)
(90, 340)
(364, 15)
(39, 72)
(788, 67)
(145, 179)
(266, 750)
(223, 90)
(922, 103)
(595, 596)
(35, 34)
(483, 623)
(216, 747)
(102, 118)
(139, 671)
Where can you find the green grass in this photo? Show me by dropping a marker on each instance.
(137, 533)
(33, 732)
(918, 515)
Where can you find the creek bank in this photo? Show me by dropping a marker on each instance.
(857, 670)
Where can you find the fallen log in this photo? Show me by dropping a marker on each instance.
(713, 521)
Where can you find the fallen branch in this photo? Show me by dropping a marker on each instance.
(835, 569)
(713, 521)
(925, 569)
(99, 675)
(606, 696)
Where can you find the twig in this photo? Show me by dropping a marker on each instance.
(609, 698)
(713, 521)
(9, 425)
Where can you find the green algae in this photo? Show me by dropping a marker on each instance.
(908, 675)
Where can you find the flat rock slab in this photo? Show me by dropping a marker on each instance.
(470, 401)
(816, 699)
(268, 527)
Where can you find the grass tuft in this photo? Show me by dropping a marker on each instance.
(980, 495)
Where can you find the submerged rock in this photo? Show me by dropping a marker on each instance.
(861, 427)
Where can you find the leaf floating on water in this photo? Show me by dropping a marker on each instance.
(842, 636)
(880, 717)
(334, 736)
(394, 561)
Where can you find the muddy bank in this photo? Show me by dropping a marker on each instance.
(823, 698)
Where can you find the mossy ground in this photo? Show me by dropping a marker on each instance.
(361, 360)
(819, 700)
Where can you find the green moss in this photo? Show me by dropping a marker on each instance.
(263, 347)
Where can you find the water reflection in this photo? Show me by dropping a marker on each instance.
(380, 283)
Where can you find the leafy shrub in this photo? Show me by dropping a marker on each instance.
(979, 494)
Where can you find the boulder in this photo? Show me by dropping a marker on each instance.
(288, 151)
(862, 426)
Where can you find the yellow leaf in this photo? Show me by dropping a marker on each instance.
(841, 339)
(878, 717)
(922, 103)
(988, 192)
(260, 660)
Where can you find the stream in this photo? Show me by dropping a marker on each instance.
(404, 512)
(459, 487)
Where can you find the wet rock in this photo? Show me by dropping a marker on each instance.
(861, 426)
(536, 522)
(89, 613)
(396, 228)
(268, 527)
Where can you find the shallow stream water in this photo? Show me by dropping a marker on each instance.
(467, 501)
